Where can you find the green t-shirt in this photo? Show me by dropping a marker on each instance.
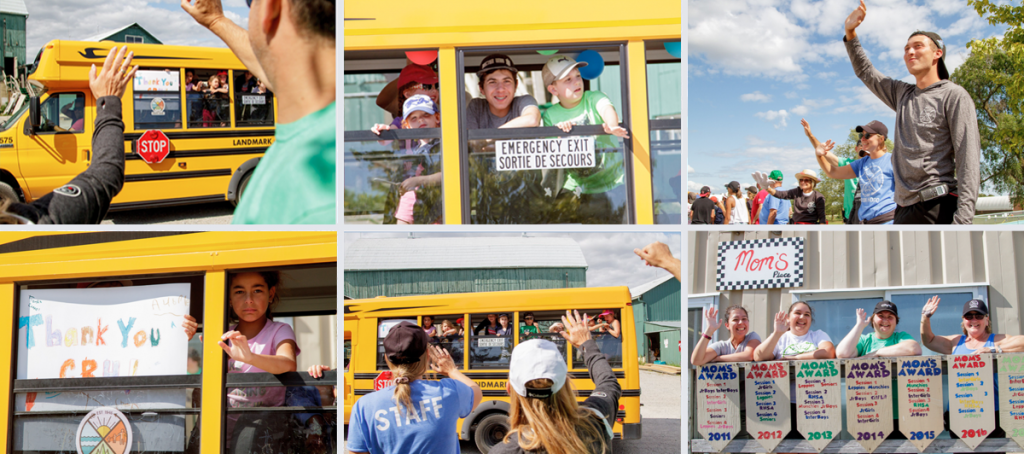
(294, 183)
(849, 188)
(527, 329)
(869, 343)
(610, 171)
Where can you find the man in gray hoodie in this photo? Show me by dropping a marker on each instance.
(937, 154)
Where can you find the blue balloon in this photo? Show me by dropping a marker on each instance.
(595, 64)
(675, 48)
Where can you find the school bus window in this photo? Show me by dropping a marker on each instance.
(348, 350)
(392, 161)
(508, 183)
(295, 414)
(606, 330)
(108, 330)
(156, 99)
(63, 112)
(254, 103)
(382, 331)
(448, 334)
(209, 104)
(490, 347)
(664, 101)
(544, 325)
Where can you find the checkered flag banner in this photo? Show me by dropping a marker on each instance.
(757, 264)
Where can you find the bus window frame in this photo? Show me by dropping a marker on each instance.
(52, 95)
(182, 381)
(266, 379)
(625, 118)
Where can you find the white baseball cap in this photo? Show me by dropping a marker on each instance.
(558, 68)
(534, 359)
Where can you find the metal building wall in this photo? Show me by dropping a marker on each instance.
(866, 259)
(662, 302)
(370, 284)
(14, 38)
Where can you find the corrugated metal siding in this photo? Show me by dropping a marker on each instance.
(670, 354)
(639, 310)
(663, 303)
(370, 284)
(835, 260)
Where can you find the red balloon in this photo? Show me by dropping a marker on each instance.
(422, 57)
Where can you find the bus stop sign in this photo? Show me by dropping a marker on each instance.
(153, 146)
(383, 381)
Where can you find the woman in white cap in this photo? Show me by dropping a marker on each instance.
(808, 204)
(408, 416)
(544, 415)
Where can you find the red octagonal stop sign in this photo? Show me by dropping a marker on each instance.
(383, 381)
(153, 146)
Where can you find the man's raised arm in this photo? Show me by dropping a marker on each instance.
(210, 14)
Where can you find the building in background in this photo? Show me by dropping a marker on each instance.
(13, 15)
(656, 312)
(133, 33)
(429, 266)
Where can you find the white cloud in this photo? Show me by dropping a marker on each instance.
(689, 169)
(79, 19)
(811, 104)
(693, 186)
(861, 100)
(746, 38)
(756, 96)
(827, 75)
(773, 115)
(756, 141)
(792, 95)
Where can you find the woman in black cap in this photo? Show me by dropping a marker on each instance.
(408, 416)
(884, 341)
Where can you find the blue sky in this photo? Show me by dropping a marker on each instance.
(756, 67)
(79, 19)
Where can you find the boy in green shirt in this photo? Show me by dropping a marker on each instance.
(576, 106)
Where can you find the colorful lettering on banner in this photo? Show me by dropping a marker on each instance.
(972, 400)
(1010, 368)
(920, 399)
(718, 403)
(869, 401)
(767, 401)
(66, 333)
(818, 401)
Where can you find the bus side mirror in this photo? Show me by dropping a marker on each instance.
(33, 114)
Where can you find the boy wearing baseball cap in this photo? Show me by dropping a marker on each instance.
(937, 148)
(774, 210)
(422, 171)
(576, 106)
(500, 107)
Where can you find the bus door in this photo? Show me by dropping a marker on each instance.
(61, 147)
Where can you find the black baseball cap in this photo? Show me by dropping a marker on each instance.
(975, 305)
(883, 306)
(734, 185)
(943, 73)
(405, 343)
(705, 190)
(874, 127)
(496, 61)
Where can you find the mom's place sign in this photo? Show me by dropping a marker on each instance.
(758, 264)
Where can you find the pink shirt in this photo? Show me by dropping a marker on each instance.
(265, 343)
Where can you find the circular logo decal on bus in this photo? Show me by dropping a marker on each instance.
(104, 430)
(157, 106)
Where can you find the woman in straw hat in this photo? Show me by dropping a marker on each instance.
(808, 204)
(544, 415)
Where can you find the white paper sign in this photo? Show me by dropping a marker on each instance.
(758, 264)
(150, 80)
(253, 100)
(532, 154)
(491, 342)
(103, 332)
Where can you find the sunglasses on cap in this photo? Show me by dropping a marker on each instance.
(973, 316)
(427, 87)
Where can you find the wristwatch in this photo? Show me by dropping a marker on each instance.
(706, 336)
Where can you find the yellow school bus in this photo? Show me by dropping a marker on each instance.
(216, 138)
(485, 358)
(634, 181)
(163, 411)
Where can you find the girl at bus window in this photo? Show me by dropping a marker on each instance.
(503, 328)
(740, 345)
(413, 80)
(544, 415)
(428, 326)
(214, 94)
(190, 84)
(379, 421)
(449, 331)
(609, 324)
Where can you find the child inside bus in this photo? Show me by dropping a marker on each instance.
(214, 96)
(413, 80)
(503, 328)
(420, 196)
(577, 106)
(488, 327)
